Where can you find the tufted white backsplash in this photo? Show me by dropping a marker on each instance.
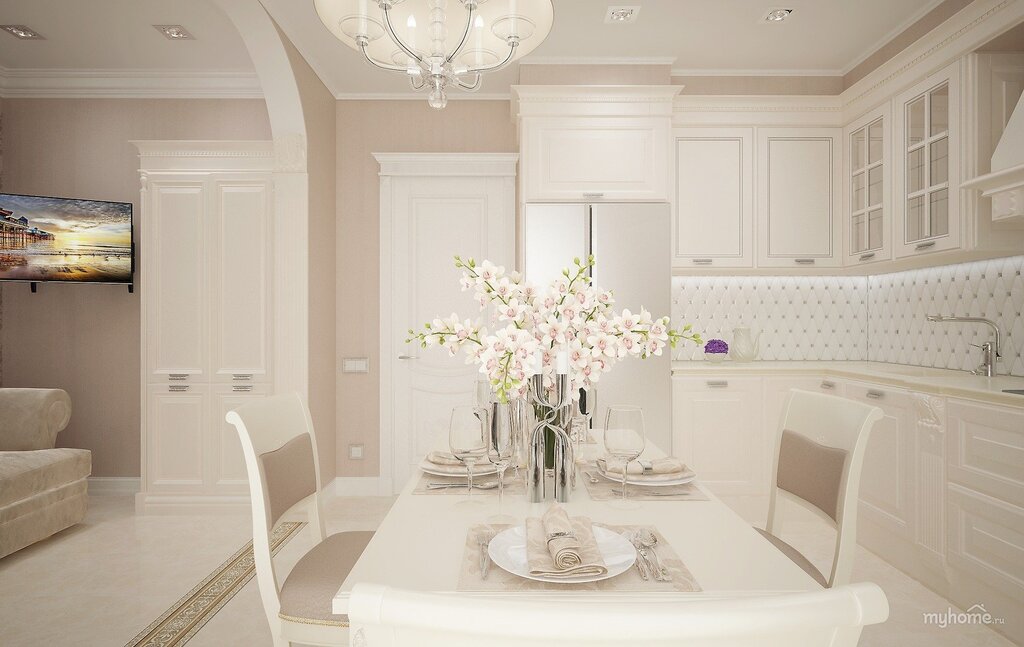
(878, 318)
(899, 303)
(800, 318)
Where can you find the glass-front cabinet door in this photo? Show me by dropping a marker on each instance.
(868, 166)
(927, 145)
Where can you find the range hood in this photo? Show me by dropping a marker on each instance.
(1005, 184)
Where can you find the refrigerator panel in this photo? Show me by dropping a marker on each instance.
(553, 234)
(631, 247)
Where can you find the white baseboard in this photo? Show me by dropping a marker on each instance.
(113, 485)
(150, 503)
(360, 486)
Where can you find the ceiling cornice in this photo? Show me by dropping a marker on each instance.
(128, 84)
(598, 60)
(754, 72)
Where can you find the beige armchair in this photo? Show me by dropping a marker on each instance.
(43, 490)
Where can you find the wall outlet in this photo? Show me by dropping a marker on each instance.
(355, 452)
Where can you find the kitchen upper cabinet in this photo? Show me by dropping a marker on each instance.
(927, 177)
(798, 197)
(719, 432)
(714, 200)
(867, 202)
(596, 158)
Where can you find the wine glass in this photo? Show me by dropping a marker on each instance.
(467, 438)
(484, 395)
(584, 413)
(624, 437)
(501, 447)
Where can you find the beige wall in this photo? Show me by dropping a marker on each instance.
(364, 128)
(85, 338)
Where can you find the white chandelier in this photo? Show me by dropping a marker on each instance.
(413, 37)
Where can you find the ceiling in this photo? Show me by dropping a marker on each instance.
(821, 37)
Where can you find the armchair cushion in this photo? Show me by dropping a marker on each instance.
(26, 474)
(31, 418)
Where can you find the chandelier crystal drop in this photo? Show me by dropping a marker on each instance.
(439, 44)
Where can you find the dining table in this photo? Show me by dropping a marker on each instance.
(422, 542)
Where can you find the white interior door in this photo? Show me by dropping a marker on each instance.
(425, 222)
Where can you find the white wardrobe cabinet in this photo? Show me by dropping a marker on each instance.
(798, 197)
(714, 201)
(205, 251)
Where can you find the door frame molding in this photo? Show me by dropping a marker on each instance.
(394, 165)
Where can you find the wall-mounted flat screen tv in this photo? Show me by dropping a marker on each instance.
(64, 239)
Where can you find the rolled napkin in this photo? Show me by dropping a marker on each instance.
(557, 546)
(660, 469)
(443, 458)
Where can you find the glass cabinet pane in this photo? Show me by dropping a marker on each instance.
(938, 152)
(939, 213)
(915, 121)
(857, 239)
(857, 149)
(939, 110)
(858, 192)
(875, 142)
(915, 171)
(875, 186)
(875, 229)
(916, 225)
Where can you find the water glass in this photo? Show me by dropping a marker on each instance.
(624, 438)
(467, 438)
(502, 444)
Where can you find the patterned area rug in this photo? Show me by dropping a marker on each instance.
(188, 615)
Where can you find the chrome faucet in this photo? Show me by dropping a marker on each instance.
(989, 349)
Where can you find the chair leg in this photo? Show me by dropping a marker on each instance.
(281, 642)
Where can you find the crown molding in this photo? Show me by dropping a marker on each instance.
(598, 60)
(45, 83)
(411, 96)
(754, 72)
(157, 156)
(892, 34)
(450, 164)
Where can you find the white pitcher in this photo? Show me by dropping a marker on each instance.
(745, 345)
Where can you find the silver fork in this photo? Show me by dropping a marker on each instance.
(483, 541)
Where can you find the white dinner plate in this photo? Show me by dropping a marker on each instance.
(456, 471)
(508, 550)
(689, 477)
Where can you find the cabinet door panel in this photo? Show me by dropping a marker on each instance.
(719, 432)
(174, 262)
(241, 277)
(986, 450)
(177, 425)
(798, 189)
(226, 463)
(714, 198)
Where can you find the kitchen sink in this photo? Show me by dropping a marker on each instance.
(1014, 391)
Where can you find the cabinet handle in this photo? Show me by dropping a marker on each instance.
(407, 357)
(178, 377)
(703, 261)
(717, 384)
(920, 246)
(241, 376)
(177, 388)
(867, 257)
(593, 196)
(804, 261)
(828, 385)
(875, 395)
(241, 388)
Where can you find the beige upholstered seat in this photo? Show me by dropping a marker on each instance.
(282, 462)
(818, 461)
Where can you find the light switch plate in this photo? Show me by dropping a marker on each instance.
(355, 452)
(355, 365)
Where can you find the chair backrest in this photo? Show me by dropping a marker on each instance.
(383, 617)
(818, 460)
(281, 459)
(30, 419)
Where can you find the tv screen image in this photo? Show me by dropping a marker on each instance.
(64, 239)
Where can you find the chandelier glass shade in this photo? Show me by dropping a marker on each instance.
(439, 44)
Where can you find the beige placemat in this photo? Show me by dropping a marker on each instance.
(499, 580)
(601, 489)
(513, 486)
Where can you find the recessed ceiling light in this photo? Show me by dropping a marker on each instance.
(174, 32)
(620, 14)
(22, 32)
(778, 15)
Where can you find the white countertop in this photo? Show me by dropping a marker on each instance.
(938, 381)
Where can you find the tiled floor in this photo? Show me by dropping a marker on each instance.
(102, 582)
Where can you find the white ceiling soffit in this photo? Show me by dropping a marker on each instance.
(109, 48)
(820, 38)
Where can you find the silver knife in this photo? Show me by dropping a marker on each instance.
(485, 559)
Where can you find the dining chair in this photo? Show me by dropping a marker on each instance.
(384, 617)
(818, 460)
(284, 474)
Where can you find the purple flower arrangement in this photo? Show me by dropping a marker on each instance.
(716, 350)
